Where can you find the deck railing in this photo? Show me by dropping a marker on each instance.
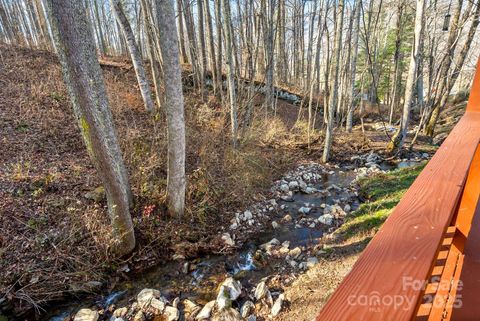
(424, 263)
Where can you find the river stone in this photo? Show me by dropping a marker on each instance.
(284, 188)
(304, 210)
(229, 291)
(293, 185)
(120, 312)
(247, 308)
(261, 290)
(295, 253)
(139, 316)
(252, 318)
(347, 208)
(206, 311)
(311, 261)
(146, 295)
(326, 219)
(275, 225)
(171, 313)
(277, 306)
(247, 215)
(227, 315)
(86, 315)
(157, 304)
(189, 306)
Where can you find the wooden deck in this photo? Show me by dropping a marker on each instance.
(424, 263)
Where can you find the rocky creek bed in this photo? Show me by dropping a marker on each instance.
(266, 247)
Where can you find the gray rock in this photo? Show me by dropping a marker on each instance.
(86, 315)
(284, 188)
(146, 295)
(252, 318)
(277, 306)
(311, 261)
(158, 305)
(304, 210)
(247, 308)
(247, 215)
(293, 185)
(326, 219)
(171, 313)
(295, 253)
(261, 290)
(275, 225)
(206, 311)
(229, 291)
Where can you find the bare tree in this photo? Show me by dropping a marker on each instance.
(399, 137)
(83, 77)
(174, 106)
(135, 55)
(227, 30)
(332, 103)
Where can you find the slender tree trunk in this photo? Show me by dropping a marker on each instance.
(218, 25)
(203, 50)
(211, 46)
(353, 68)
(333, 95)
(83, 77)
(135, 55)
(181, 32)
(399, 137)
(174, 107)
(227, 30)
(397, 57)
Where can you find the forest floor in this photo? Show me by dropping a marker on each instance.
(54, 231)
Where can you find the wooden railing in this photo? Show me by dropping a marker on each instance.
(424, 263)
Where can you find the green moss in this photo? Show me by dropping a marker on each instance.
(382, 192)
(86, 134)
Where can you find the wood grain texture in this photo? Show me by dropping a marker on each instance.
(402, 252)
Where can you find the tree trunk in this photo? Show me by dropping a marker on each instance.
(399, 137)
(353, 68)
(227, 30)
(174, 107)
(397, 57)
(135, 55)
(335, 68)
(83, 77)
(203, 51)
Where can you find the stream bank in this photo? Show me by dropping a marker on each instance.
(267, 246)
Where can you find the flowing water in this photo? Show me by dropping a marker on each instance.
(198, 280)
